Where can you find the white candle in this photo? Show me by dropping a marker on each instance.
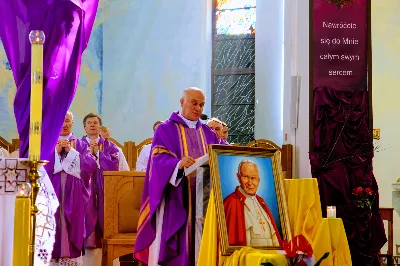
(331, 212)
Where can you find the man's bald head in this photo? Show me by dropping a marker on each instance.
(70, 114)
(105, 132)
(216, 125)
(192, 103)
(67, 125)
(192, 90)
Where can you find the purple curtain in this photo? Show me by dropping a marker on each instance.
(341, 161)
(67, 25)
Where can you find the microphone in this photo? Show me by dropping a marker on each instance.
(204, 117)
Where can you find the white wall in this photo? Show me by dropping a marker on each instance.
(297, 64)
(386, 97)
(152, 51)
(386, 93)
(269, 83)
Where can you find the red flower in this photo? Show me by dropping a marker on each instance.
(357, 191)
(297, 244)
(369, 191)
(290, 248)
(301, 263)
(303, 245)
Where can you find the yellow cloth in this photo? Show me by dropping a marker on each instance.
(209, 248)
(304, 206)
(250, 256)
(329, 236)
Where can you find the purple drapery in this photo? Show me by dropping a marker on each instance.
(341, 161)
(67, 25)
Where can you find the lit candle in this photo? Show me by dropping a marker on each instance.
(22, 226)
(36, 38)
(331, 212)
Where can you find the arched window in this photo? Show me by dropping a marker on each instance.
(233, 67)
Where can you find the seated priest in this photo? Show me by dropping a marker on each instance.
(141, 163)
(4, 153)
(106, 154)
(105, 132)
(225, 131)
(216, 125)
(70, 168)
(249, 221)
(165, 228)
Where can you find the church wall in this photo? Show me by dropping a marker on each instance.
(269, 71)
(141, 55)
(386, 98)
(297, 64)
(152, 51)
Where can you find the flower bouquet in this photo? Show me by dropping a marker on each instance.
(364, 197)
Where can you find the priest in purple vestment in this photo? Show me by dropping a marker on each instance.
(70, 168)
(106, 155)
(165, 223)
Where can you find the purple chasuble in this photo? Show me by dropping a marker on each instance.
(71, 184)
(172, 141)
(94, 215)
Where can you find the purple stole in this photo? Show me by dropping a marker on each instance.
(173, 140)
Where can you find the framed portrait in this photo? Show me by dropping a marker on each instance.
(250, 197)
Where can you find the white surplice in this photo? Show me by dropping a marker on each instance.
(4, 153)
(123, 164)
(154, 249)
(143, 159)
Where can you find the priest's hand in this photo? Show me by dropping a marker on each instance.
(63, 144)
(67, 146)
(59, 147)
(94, 147)
(186, 162)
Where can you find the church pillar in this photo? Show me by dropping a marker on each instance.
(269, 70)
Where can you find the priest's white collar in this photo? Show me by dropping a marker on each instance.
(189, 123)
(88, 139)
(65, 137)
(245, 194)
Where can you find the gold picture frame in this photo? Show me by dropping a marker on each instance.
(227, 157)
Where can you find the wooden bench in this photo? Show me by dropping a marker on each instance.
(10, 147)
(122, 197)
(131, 150)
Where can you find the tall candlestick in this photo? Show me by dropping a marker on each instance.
(37, 39)
(22, 226)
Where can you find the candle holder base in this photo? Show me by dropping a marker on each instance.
(34, 176)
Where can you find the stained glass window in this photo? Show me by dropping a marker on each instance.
(235, 17)
(237, 53)
(233, 68)
(234, 4)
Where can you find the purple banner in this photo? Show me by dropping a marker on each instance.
(340, 41)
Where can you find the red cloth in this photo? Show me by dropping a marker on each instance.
(234, 215)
